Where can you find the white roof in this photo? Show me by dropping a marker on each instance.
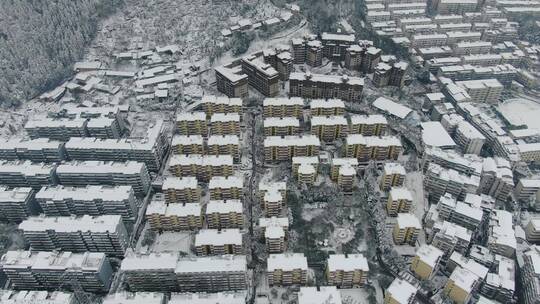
(407, 220)
(224, 263)
(329, 103)
(35, 296)
(201, 160)
(274, 221)
(401, 194)
(305, 160)
(100, 167)
(391, 107)
(172, 182)
(187, 140)
(394, 168)
(373, 141)
(429, 255)
(274, 232)
(304, 140)
(281, 122)
(337, 79)
(225, 117)
(349, 262)
(450, 229)
(338, 37)
(368, 119)
(217, 237)
(14, 195)
(134, 298)
(191, 116)
(150, 262)
(88, 193)
(304, 169)
(181, 210)
(63, 260)
(29, 144)
(224, 182)
(219, 206)
(468, 211)
(467, 130)
(26, 168)
(401, 291)
(321, 295)
(287, 261)
(227, 139)
(85, 223)
(279, 101)
(266, 186)
(464, 279)
(328, 121)
(342, 161)
(228, 297)
(434, 135)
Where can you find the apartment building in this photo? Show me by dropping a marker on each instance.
(278, 148)
(265, 186)
(225, 124)
(483, 90)
(103, 122)
(181, 189)
(337, 163)
(27, 174)
(366, 148)
(212, 104)
(212, 274)
(35, 296)
(399, 201)
(393, 176)
(191, 123)
(125, 297)
(17, 204)
(500, 284)
(149, 150)
(281, 60)
(368, 125)
(426, 261)
(529, 152)
(457, 212)
(307, 174)
(429, 40)
(347, 271)
(173, 217)
(39, 150)
(532, 231)
(226, 297)
(283, 107)
(286, 269)
(218, 242)
(482, 59)
(56, 129)
(300, 160)
(307, 51)
(204, 167)
(318, 86)
(328, 107)
(274, 234)
(226, 188)
(400, 292)
(281, 126)
(188, 144)
(92, 200)
(261, 76)
(335, 45)
(501, 238)
(438, 181)
(464, 164)
(527, 187)
(319, 295)
(329, 128)
(150, 272)
(224, 214)
(530, 274)
(105, 233)
(450, 237)
(346, 177)
(475, 47)
(497, 179)
(231, 80)
(406, 229)
(455, 6)
(362, 57)
(390, 74)
(39, 270)
(224, 145)
(469, 138)
(273, 202)
(83, 173)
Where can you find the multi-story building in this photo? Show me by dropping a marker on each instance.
(83, 173)
(149, 150)
(329, 128)
(455, 6)
(224, 214)
(39, 150)
(347, 271)
(39, 270)
(464, 164)
(337, 163)
(345, 178)
(278, 148)
(287, 269)
(103, 122)
(307, 174)
(363, 57)
(474, 47)
(390, 74)
(226, 297)
(439, 181)
(224, 145)
(187, 144)
(368, 125)
(181, 189)
(226, 188)
(56, 129)
(35, 296)
(212, 274)
(393, 176)
(532, 231)
(469, 138)
(307, 51)
(530, 274)
(483, 90)
(319, 295)
(399, 201)
(273, 203)
(426, 261)
(150, 272)
(529, 152)
(335, 45)
(204, 167)
(191, 123)
(261, 76)
(274, 234)
(91, 200)
(219, 104)
(449, 209)
(173, 217)
(429, 40)
(134, 298)
(527, 187)
(450, 237)
(460, 286)
(366, 148)
(500, 284)
(281, 126)
(283, 107)
(317, 86)
(17, 204)
(406, 229)
(218, 242)
(497, 179)
(501, 238)
(400, 292)
(105, 233)
(299, 160)
(281, 60)
(27, 174)
(225, 124)
(231, 81)
(265, 186)
(330, 107)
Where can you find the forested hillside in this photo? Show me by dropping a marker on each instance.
(41, 39)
